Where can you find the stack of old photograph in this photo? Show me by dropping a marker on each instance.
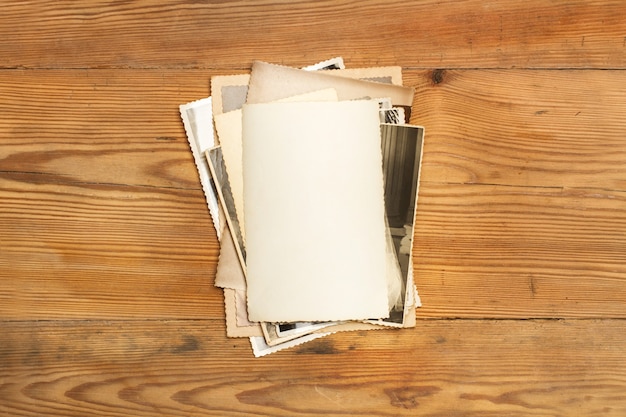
(311, 177)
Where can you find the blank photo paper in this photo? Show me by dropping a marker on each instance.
(314, 210)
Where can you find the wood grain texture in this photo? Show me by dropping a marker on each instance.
(101, 127)
(510, 251)
(230, 34)
(441, 368)
(531, 128)
(107, 189)
(554, 128)
(103, 251)
(481, 251)
(107, 251)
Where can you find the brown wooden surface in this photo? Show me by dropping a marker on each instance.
(107, 251)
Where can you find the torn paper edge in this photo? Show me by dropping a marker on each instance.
(352, 326)
(329, 64)
(232, 328)
(273, 338)
(260, 348)
(231, 215)
(265, 77)
(394, 73)
(200, 143)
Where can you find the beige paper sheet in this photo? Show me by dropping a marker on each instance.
(269, 82)
(233, 329)
(229, 127)
(314, 211)
(226, 90)
(229, 271)
(221, 82)
(388, 75)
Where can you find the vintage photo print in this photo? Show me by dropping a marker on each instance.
(402, 151)
(220, 178)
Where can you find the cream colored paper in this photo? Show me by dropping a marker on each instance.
(388, 75)
(314, 208)
(227, 90)
(233, 329)
(221, 84)
(269, 82)
(228, 126)
(229, 272)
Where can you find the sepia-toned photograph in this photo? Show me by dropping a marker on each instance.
(220, 178)
(401, 149)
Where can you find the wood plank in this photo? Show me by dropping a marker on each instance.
(230, 34)
(98, 251)
(72, 138)
(100, 199)
(518, 127)
(506, 251)
(101, 127)
(107, 252)
(528, 128)
(449, 367)
(481, 251)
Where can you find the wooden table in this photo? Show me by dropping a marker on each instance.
(107, 251)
